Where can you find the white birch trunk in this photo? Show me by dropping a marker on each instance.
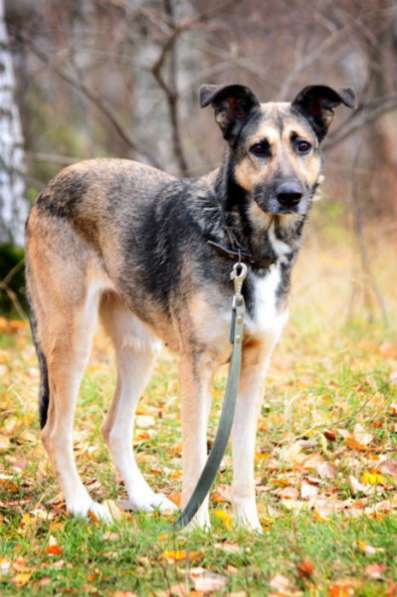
(13, 203)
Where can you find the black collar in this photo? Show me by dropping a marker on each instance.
(243, 255)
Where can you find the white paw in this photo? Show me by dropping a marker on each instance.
(201, 521)
(84, 505)
(150, 502)
(246, 516)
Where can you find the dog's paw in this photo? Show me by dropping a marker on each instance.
(200, 521)
(246, 516)
(150, 502)
(84, 506)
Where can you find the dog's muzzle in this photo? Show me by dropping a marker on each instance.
(286, 197)
(289, 194)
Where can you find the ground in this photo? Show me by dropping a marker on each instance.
(326, 463)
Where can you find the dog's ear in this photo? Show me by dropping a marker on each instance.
(232, 105)
(317, 103)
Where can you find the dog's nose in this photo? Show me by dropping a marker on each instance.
(289, 194)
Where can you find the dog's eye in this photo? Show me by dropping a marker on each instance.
(303, 146)
(261, 149)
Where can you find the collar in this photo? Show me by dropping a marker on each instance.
(258, 265)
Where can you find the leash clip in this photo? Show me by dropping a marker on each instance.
(238, 275)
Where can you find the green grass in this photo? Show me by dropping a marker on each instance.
(329, 415)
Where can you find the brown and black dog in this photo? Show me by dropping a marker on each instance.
(149, 254)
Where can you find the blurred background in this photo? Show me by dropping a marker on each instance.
(89, 78)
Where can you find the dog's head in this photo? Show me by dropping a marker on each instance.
(275, 147)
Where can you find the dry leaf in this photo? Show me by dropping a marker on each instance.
(206, 581)
(356, 487)
(228, 547)
(21, 579)
(375, 571)
(308, 491)
(330, 435)
(180, 555)
(280, 583)
(361, 435)
(305, 569)
(144, 421)
(176, 498)
(113, 510)
(369, 550)
(225, 518)
(4, 442)
(53, 548)
(340, 590)
(5, 567)
(372, 478)
(289, 493)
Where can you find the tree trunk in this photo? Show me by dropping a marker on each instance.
(13, 203)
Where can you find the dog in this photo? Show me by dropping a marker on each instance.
(151, 256)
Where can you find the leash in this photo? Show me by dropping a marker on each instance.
(238, 275)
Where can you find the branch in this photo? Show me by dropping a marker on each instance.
(169, 87)
(91, 96)
(4, 286)
(365, 114)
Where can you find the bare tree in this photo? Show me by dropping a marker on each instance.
(13, 204)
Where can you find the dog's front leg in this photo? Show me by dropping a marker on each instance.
(195, 379)
(254, 367)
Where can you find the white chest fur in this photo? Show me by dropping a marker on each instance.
(266, 320)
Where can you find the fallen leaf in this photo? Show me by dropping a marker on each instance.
(289, 493)
(361, 435)
(356, 487)
(369, 550)
(375, 571)
(225, 518)
(144, 421)
(305, 569)
(330, 435)
(206, 581)
(53, 549)
(21, 579)
(353, 444)
(340, 590)
(113, 510)
(176, 498)
(372, 478)
(280, 583)
(308, 491)
(5, 567)
(180, 555)
(228, 547)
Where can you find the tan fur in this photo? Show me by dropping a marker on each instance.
(251, 172)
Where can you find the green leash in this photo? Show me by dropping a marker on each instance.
(238, 275)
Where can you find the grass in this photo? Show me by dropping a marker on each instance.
(326, 464)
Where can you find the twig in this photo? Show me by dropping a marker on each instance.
(170, 87)
(4, 286)
(363, 251)
(91, 96)
(369, 113)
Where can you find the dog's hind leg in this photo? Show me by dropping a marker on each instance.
(135, 351)
(65, 304)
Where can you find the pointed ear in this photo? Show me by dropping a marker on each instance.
(232, 105)
(317, 102)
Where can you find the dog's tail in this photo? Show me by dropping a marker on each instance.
(44, 389)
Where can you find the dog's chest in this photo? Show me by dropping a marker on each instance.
(264, 316)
